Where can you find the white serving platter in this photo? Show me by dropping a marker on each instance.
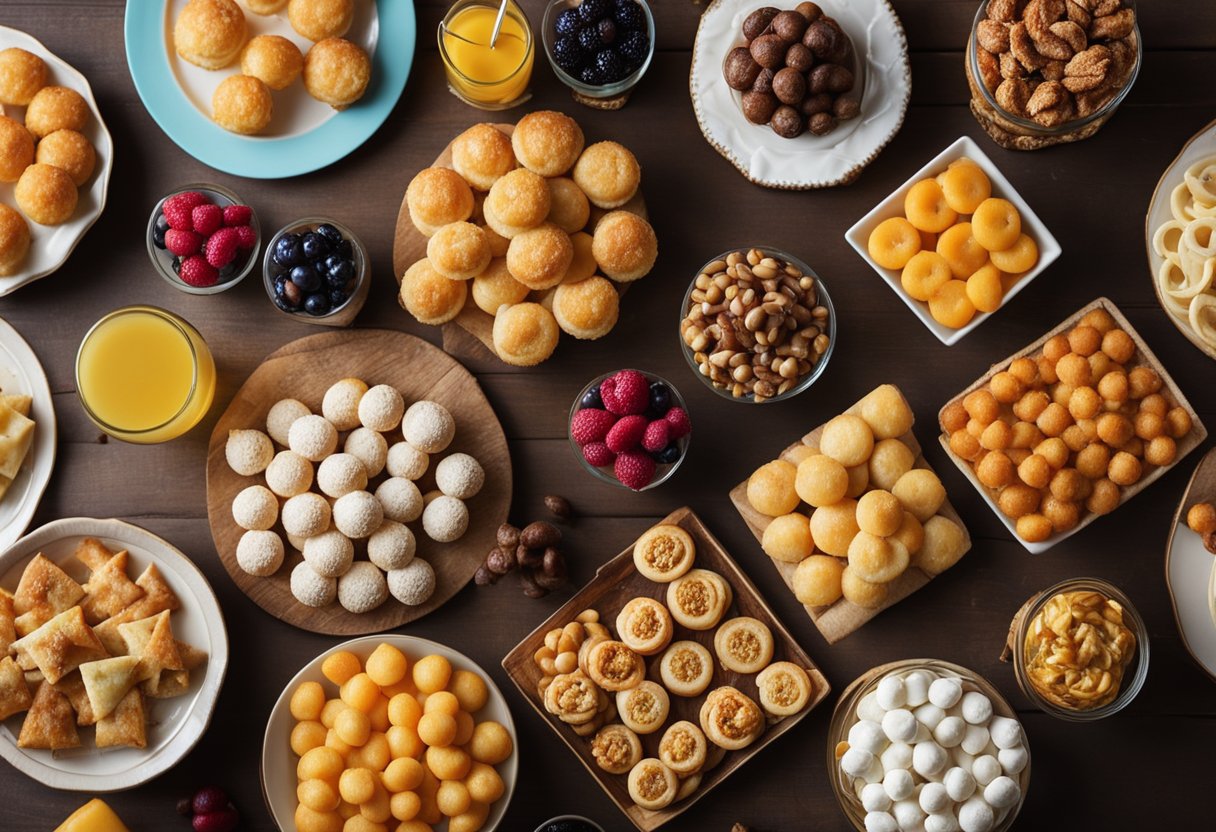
(21, 373)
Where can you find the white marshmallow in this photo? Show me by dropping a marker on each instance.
(899, 725)
(856, 762)
(898, 784)
(916, 686)
(929, 715)
(977, 708)
(908, 814)
(897, 755)
(1002, 792)
(874, 773)
(985, 769)
(1013, 760)
(869, 709)
(869, 736)
(959, 784)
(881, 822)
(975, 740)
(891, 693)
(945, 693)
(874, 798)
(962, 759)
(923, 734)
(950, 732)
(1005, 732)
(942, 822)
(933, 798)
(976, 816)
(929, 758)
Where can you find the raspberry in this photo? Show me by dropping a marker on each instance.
(235, 215)
(182, 243)
(246, 236)
(590, 425)
(679, 425)
(178, 209)
(634, 470)
(657, 435)
(597, 454)
(626, 434)
(209, 799)
(207, 218)
(221, 247)
(626, 393)
(196, 271)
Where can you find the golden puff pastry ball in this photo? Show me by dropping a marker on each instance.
(482, 154)
(498, 243)
(519, 200)
(210, 33)
(242, 104)
(320, 19)
(429, 296)
(56, 108)
(16, 149)
(540, 257)
(436, 197)
(69, 151)
(337, 72)
(495, 287)
(14, 240)
(459, 251)
(22, 74)
(569, 209)
(587, 309)
(547, 142)
(273, 60)
(624, 245)
(46, 195)
(265, 6)
(608, 173)
(583, 265)
(524, 334)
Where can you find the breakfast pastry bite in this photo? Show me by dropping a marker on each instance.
(210, 33)
(613, 666)
(652, 785)
(482, 154)
(663, 553)
(109, 590)
(547, 142)
(127, 725)
(14, 693)
(49, 723)
(320, 19)
(337, 72)
(616, 749)
(785, 689)
(744, 645)
(730, 719)
(107, 681)
(43, 592)
(22, 74)
(272, 59)
(645, 626)
(14, 245)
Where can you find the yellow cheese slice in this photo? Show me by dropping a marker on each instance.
(94, 816)
(16, 434)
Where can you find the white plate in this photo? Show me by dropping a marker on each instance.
(1190, 577)
(21, 373)
(893, 206)
(279, 761)
(175, 725)
(52, 244)
(807, 161)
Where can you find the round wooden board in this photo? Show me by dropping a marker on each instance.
(304, 369)
(409, 246)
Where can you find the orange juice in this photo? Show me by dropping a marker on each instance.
(144, 375)
(484, 77)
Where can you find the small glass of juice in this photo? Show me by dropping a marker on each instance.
(144, 375)
(487, 78)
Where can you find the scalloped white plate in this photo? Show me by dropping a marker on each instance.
(20, 372)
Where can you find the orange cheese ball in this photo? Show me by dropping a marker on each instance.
(924, 274)
(332, 740)
(1020, 257)
(431, 673)
(984, 288)
(437, 729)
(403, 709)
(353, 726)
(306, 736)
(360, 692)
(357, 785)
(309, 821)
(926, 208)
(893, 242)
(339, 667)
(386, 665)
(996, 224)
(470, 820)
(403, 741)
(950, 305)
(378, 715)
(359, 823)
(491, 743)
(964, 254)
(377, 809)
(464, 727)
(453, 797)
(405, 805)
(318, 795)
(470, 690)
(442, 702)
(307, 700)
(374, 754)
(320, 763)
(484, 783)
(965, 186)
(402, 775)
(414, 826)
(448, 763)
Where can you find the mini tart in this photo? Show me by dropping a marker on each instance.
(524, 334)
(16, 149)
(688, 784)
(652, 785)
(272, 59)
(784, 688)
(22, 74)
(320, 19)
(664, 553)
(337, 72)
(569, 209)
(686, 668)
(517, 201)
(459, 251)
(482, 155)
(683, 748)
(540, 257)
(210, 33)
(588, 309)
(616, 749)
(614, 666)
(698, 599)
(495, 287)
(645, 626)
(14, 240)
(547, 142)
(608, 174)
(429, 296)
(436, 197)
(242, 104)
(730, 719)
(644, 708)
(69, 151)
(572, 698)
(744, 645)
(46, 195)
(624, 246)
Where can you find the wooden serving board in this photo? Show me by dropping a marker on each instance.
(614, 585)
(835, 621)
(304, 369)
(1144, 357)
(409, 246)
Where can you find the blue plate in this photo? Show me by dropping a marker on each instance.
(148, 33)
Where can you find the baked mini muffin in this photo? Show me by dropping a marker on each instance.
(265, 6)
(16, 149)
(519, 200)
(436, 197)
(321, 19)
(242, 104)
(608, 174)
(336, 72)
(498, 243)
(540, 257)
(14, 240)
(569, 209)
(210, 33)
(587, 309)
(482, 154)
(583, 265)
(56, 108)
(524, 334)
(46, 195)
(429, 296)
(547, 142)
(495, 287)
(69, 151)
(273, 60)
(625, 246)
(459, 251)
(22, 74)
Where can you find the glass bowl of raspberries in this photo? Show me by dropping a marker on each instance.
(630, 428)
(203, 239)
(316, 269)
(598, 48)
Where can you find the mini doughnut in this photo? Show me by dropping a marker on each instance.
(45, 194)
(583, 265)
(517, 201)
(833, 527)
(540, 257)
(965, 186)
(877, 559)
(14, 240)
(525, 334)
(459, 250)
(288, 474)
(861, 592)
(429, 296)
(889, 461)
(926, 208)
(847, 439)
(996, 224)
(495, 286)
(16, 149)
(886, 412)
(242, 104)
(859, 480)
(821, 480)
(923, 274)
(569, 209)
(1018, 258)
(209, 33)
(587, 309)
(265, 7)
(910, 533)
(608, 173)
(320, 19)
(69, 151)
(436, 197)
(625, 246)
(273, 60)
(788, 538)
(817, 580)
(893, 243)
(547, 142)
(879, 513)
(482, 154)
(22, 74)
(984, 288)
(337, 72)
(892, 692)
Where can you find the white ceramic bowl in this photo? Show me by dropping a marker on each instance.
(176, 724)
(892, 206)
(21, 372)
(279, 761)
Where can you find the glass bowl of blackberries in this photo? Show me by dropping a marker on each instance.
(203, 239)
(316, 269)
(599, 48)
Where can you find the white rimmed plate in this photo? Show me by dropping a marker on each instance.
(279, 761)
(1190, 572)
(175, 725)
(892, 206)
(807, 161)
(51, 245)
(21, 373)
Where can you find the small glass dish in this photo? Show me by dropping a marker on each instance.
(1134, 674)
(162, 259)
(663, 470)
(341, 315)
(605, 96)
(570, 819)
(503, 93)
(827, 327)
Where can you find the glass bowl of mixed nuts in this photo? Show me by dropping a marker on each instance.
(757, 325)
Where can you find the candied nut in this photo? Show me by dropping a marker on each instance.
(1090, 102)
(1023, 48)
(559, 506)
(1050, 104)
(993, 35)
(528, 558)
(484, 577)
(758, 108)
(539, 534)
(1112, 26)
(1087, 70)
(1003, 10)
(821, 124)
(788, 25)
(756, 22)
(507, 536)
(1078, 14)
(1053, 71)
(1123, 59)
(531, 588)
(500, 561)
(1071, 33)
(740, 68)
(1011, 67)
(990, 68)
(787, 122)
(1101, 8)
(1013, 95)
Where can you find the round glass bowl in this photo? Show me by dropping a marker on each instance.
(572, 822)
(826, 325)
(498, 86)
(845, 717)
(663, 470)
(1133, 675)
(341, 315)
(162, 259)
(587, 93)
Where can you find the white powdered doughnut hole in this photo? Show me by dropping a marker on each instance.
(1013, 760)
(296, 542)
(248, 451)
(869, 709)
(414, 584)
(880, 822)
(898, 784)
(391, 546)
(929, 758)
(976, 739)
(929, 715)
(404, 460)
(306, 514)
(369, 447)
(985, 769)
(856, 762)
(899, 725)
(950, 732)
(381, 407)
(945, 692)
(311, 589)
(460, 476)
(916, 688)
(1005, 732)
(428, 426)
(868, 735)
(941, 822)
(959, 784)
(445, 519)
(288, 474)
(358, 514)
(330, 554)
(1002, 792)
(933, 798)
(976, 816)
(312, 437)
(962, 758)
(255, 508)
(340, 474)
(891, 693)
(281, 416)
(923, 734)
(874, 798)
(897, 755)
(260, 552)
(362, 588)
(400, 499)
(977, 708)
(341, 403)
(908, 813)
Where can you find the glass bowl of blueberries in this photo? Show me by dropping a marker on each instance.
(203, 239)
(598, 48)
(316, 269)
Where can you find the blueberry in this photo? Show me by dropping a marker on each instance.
(306, 278)
(341, 272)
(592, 10)
(314, 246)
(668, 455)
(337, 297)
(592, 399)
(177, 265)
(158, 238)
(660, 398)
(345, 250)
(589, 39)
(607, 30)
(591, 76)
(568, 54)
(280, 285)
(628, 16)
(228, 270)
(316, 304)
(287, 251)
(634, 48)
(330, 233)
(610, 66)
(161, 224)
(568, 22)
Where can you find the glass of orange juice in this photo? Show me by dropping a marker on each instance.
(488, 78)
(144, 375)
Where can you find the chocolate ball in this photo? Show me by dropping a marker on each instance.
(787, 122)
(789, 85)
(812, 104)
(758, 107)
(830, 78)
(799, 57)
(822, 38)
(822, 123)
(769, 51)
(764, 82)
(740, 68)
(788, 25)
(846, 108)
(756, 22)
(810, 11)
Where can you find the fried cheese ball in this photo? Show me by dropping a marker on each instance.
(821, 480)
(770, 489)
(945, 543)
(834, 527)
(847, 439)
(921, 493)
(817, 580)
(886, 412)
(788, 538)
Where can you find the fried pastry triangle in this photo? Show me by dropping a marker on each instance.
(192, 656)
(107, 682)
(169, 683)
(44, 591)
(92, 553)
(16, 435)
(109, 591)
(14, 692)
(18, 402)
(61, 645)
(50, 722)
(151, 641)
(127, 725)
(72, 686)
(8, 622)
(157, 597)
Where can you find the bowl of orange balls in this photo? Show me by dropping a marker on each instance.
(955, 241)
(389, 732)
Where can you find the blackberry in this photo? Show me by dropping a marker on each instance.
(592, 10)
(589, 39)
(628, 16)
(591, 76)
(568, 22)
(568, 54)
(610, 66)
(607, 31)
(634, 48)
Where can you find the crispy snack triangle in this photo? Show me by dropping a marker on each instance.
(44, 591)
(14, 693)
(109, 591)
(72, 686)
(107, 682)
(92, 553)
(61, 645)
(8, 622)
(50, 722)
(169, 683)
(18, 402)
(151, 641)
(157, 597)
(127, 725)
(16, 435)
(192, 656)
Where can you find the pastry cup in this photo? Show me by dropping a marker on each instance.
(162, 259)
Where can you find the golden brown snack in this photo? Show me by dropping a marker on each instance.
(878, 560)
(861, 592)
(459, 251)
(608, 173)
(429, 296)
(46, 195)
(242, 104)
(337, 72)
(664, 553)
(614, 666)
(569, 209)
(16, 149)
(616, 749)
(770, 489)
(273, 60)
(817, 580)
(643, 708)
(482, 154)
(886, 412)
(524, 334)
(652, 785)
(784, 688)
(587, 309)
(625, 246)
(69, 151)
(265, 6)
(835, 526)
(56, 108)
(547, 142)
(22, 74)
(686, 668)
(209, 33)
(645, 626)
(944, 544)
(744, 644)
(436, 197)
(321, 19)
(14, 240)
(540, 257)
(495, 287)
(698, 599)
(730, 719)
(518, 200)
(683, 748)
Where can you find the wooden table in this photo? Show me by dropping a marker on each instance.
(1129, 772)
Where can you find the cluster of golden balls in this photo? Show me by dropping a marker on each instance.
(873, 512)
(1059, 435)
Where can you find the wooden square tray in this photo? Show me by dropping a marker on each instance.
(835, 621)
(614, 585)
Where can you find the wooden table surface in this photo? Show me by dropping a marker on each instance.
(1146, 765)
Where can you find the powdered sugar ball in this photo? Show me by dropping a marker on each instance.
(306, 514)
(341, 403)
(413, 584)
(428, 426)
(289, 474)
(362, 588)
(404, 460)
(255, 508)
(381, 408)
(340, 474)
(401, 499)
(369, 447)
(391, 546)
(445, 519)
(358, 514)
(312, 437)
(460, 476)
(280, 417)
(248, 451)
(330, 553)
(260, 552)
(311, 589)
